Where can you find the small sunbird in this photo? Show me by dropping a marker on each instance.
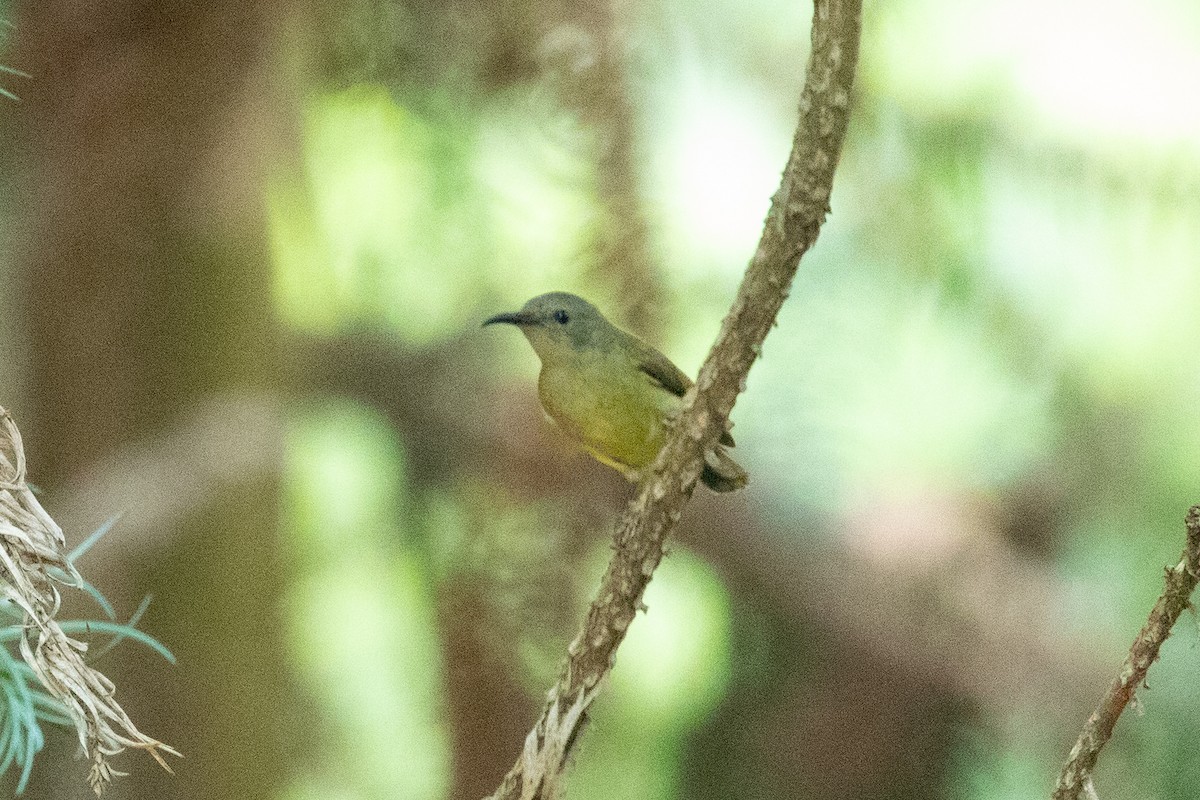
(608, 390)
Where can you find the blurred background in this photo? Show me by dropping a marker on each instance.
(246, 251)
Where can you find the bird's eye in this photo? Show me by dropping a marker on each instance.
(561, 317)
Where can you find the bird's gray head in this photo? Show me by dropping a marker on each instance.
(556, 321)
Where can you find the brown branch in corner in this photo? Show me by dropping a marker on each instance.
(1076, 775)
(797, 211)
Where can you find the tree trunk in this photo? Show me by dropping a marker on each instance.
(147, 287)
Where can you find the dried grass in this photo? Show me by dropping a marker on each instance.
(33, 564)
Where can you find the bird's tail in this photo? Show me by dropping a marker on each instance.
(722, 473)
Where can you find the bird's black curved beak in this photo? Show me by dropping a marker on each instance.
(512, 318)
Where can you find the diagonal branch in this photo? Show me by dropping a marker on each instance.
(1075, 780)
(797, 211)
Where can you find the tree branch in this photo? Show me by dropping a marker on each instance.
(797, 211)
(1076, 777)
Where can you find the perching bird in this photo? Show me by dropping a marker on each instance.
(609, 390)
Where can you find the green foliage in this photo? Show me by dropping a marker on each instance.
(361, 617)
(395, 209)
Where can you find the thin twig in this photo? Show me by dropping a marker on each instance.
(797, 211)
(1075, 780)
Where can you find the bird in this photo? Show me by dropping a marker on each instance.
(609, 391)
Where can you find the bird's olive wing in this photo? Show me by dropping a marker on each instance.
(660, 369)
(670, 377)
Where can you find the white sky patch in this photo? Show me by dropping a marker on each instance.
(1117, 70)
(1127, 68)
(717, 162)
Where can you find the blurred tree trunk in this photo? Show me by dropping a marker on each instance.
(147, 285)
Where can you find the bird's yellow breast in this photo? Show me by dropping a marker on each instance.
(610, 407)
